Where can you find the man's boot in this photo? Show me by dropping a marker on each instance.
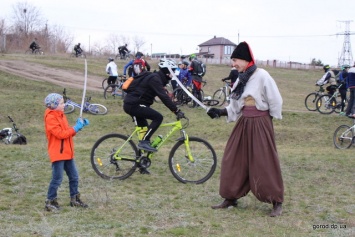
(52, 205)
(76, 202)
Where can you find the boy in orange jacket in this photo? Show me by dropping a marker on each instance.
(61, 151)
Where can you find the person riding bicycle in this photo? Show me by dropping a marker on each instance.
(233, 76)
(129, 66)
(122, 50)
(34, 45)
(111, 69)
(78, 50)
(328, 78)
(196, 78)
(145, 87)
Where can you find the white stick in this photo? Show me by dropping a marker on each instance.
(84, 92)
(187, 91)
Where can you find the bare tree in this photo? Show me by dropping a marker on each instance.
(2, 26)
(113, 41)
(60, 39)
(138, 42)
(27, 18)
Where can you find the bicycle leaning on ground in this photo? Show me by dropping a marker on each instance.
(88, 107)
(7, 135)
(191, 159)
(223, 93)
(115, 90)
(327, 103)
(311, 99)
(343, 136)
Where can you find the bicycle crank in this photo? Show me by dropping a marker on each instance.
(144, 162)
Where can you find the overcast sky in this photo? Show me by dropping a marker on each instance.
(296, 30)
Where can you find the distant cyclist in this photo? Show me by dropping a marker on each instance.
(233, 75)
(122, 50)
(111, 69)
(34, 45)
(77, 50)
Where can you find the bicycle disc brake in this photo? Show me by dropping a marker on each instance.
(144, 162)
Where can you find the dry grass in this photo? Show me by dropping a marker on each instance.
(319, 179)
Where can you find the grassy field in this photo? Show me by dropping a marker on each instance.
(318, 179)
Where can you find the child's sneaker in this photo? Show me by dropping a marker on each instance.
(76, 202)
(52, 205)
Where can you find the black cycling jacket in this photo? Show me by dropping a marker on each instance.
(145, 89)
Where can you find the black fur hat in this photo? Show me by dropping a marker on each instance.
(242, 52)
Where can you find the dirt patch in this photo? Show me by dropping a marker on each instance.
(39, 72)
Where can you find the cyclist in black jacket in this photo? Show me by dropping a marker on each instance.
(138, 100)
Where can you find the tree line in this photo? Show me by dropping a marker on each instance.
(27, 23)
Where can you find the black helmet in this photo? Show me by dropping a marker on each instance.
(78, 43)
(110, 59)
(139, 55)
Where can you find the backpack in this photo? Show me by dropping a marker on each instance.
(200, 68)
(131, 82)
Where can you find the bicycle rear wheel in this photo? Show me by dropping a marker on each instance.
(310, 101)
(343, 137)
(103, 161)
(199, 171)
(113, 91)
(69, 108)
(104, 83)
(97, 109)
(220, 95)
(325, 104)
(191, 103)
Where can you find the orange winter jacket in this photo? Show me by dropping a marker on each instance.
(59, 136)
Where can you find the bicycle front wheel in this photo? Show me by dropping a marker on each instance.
(343, 137)
(97, 109)
(106, 165)
(197, 171)
(310, 101)
(220, 95)
(69, 108)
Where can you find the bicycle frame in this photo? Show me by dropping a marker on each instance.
(175, 127)
(77, 105)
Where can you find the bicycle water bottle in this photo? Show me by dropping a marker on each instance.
(157, 141)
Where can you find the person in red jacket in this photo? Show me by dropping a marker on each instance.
(61, 151)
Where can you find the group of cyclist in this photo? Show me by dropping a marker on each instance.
(337, 80)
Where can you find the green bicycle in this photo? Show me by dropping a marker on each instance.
(191, 160)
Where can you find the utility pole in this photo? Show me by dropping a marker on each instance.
(346, 56)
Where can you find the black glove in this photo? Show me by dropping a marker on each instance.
(214, 113)
(179, 114)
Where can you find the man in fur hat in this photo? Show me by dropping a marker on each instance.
(250, 161)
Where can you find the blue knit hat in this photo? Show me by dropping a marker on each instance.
(52, 100)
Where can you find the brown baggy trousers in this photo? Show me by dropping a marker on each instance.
(250, 160)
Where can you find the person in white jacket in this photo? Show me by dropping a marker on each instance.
(250, 161)
(111, 69)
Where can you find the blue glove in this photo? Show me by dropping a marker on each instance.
(86, 122)
(79, 125)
